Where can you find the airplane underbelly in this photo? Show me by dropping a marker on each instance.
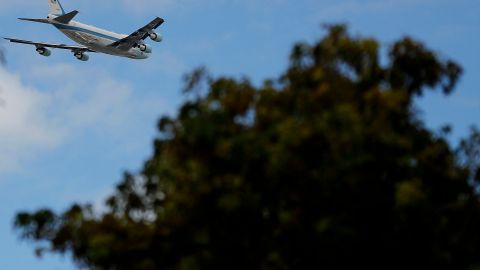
(100, 44)
(86, 39)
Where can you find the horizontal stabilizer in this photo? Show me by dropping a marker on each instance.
(35, 20)
(65, 19)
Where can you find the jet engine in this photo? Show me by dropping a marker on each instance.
(82, 56)
(155, 37)
(44, 51)
(145, 48)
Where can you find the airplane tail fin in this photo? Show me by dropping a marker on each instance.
(56, 8)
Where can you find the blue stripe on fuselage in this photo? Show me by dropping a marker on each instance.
(75, 28)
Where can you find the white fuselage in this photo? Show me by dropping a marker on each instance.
(96, 39)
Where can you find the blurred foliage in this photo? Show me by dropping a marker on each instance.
(3, 59)
(327, 167)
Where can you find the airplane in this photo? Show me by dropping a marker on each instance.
(93, 39)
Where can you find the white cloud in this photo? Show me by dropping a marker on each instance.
(23, 126)
(33, 121)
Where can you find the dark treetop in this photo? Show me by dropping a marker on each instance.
(327, 167)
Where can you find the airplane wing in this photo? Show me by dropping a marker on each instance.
(141, 34)
(48, 45)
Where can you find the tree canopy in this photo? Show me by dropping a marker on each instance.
(2, 57)
(326, 167)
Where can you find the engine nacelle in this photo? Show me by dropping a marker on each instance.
(44, 51)
(145, 48)
(156, 37)
(82, 56)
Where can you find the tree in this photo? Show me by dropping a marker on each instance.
(326, 167)
(3, 59)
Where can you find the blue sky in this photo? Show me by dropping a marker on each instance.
(69, 129)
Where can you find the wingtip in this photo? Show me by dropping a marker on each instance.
(4, 40)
